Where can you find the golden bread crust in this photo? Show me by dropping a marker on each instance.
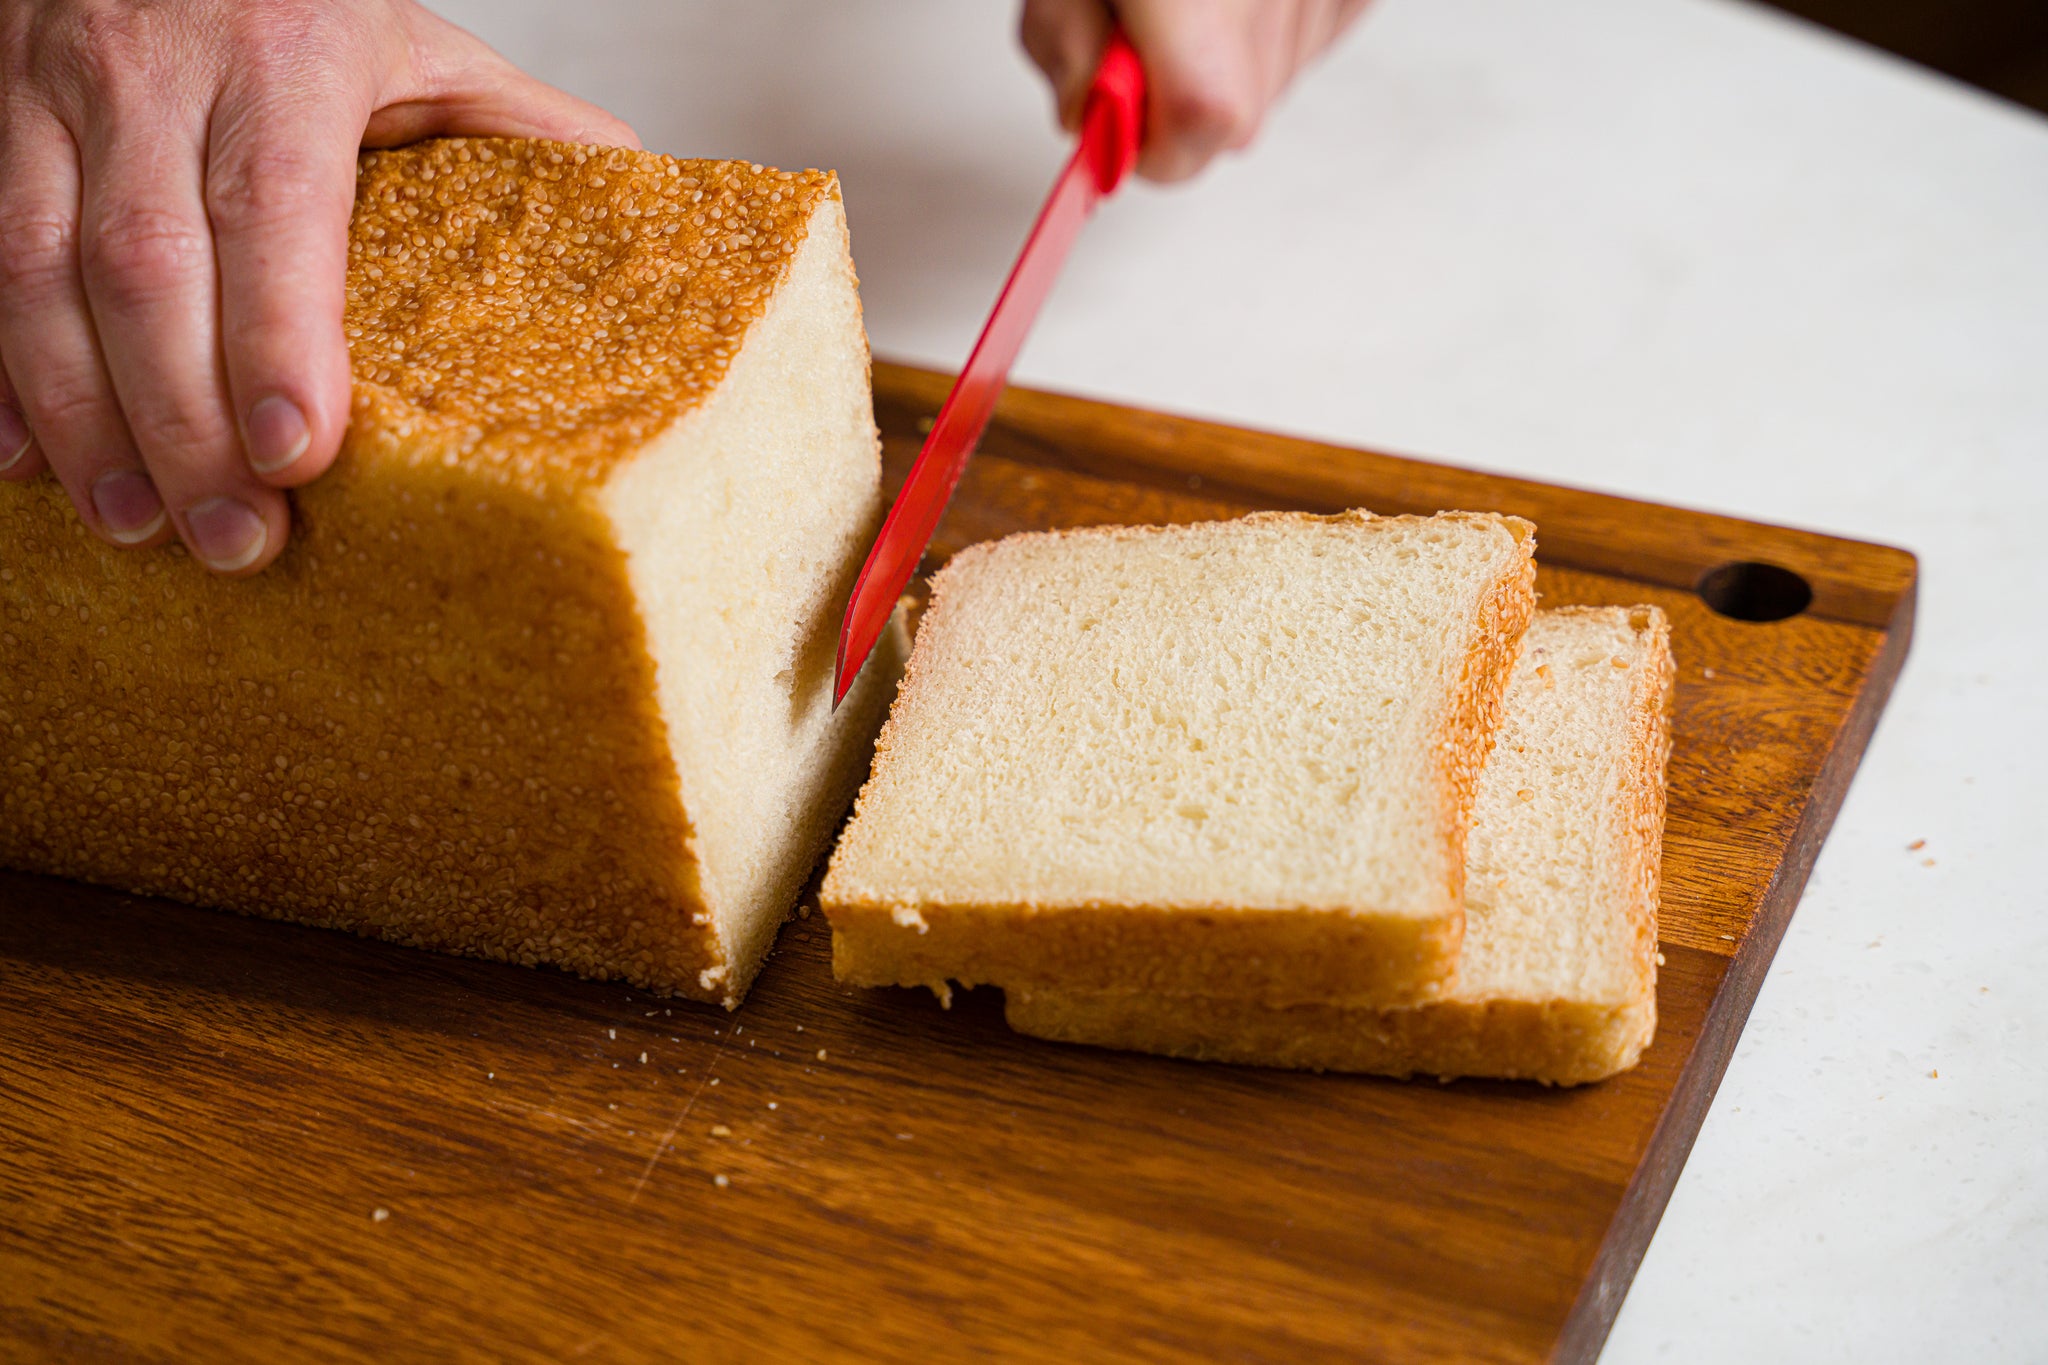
(1273, 954)
(1641, 801)
(1472, 717)
(361, 737)
(1554, 1042)
(538, 310)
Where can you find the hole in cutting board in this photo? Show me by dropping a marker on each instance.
(1752, 591)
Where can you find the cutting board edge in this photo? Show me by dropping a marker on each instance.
(1642, 1208)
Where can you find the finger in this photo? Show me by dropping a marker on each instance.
(1065, 39)
(460, 87)
(20, 458)
(150, 276)
(1205, 88)
(280, 185)
(53, 359)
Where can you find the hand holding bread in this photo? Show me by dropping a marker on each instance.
(175, 186)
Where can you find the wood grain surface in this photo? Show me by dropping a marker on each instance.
(227, 1139)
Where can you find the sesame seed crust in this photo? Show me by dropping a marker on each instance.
(537, 310)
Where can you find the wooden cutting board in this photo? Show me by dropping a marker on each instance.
(224, 1138)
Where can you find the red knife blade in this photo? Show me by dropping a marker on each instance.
(1111, 129)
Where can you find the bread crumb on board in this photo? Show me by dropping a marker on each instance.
(379, 1215)
(720, 1181)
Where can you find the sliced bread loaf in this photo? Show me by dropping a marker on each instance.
(1557, 978)
(1235, 757)
(545, 673)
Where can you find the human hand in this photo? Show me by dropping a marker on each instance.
(176, 179)
(1212, 67)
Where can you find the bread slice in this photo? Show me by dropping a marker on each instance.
(545, 672)
(1225, 758)
(1557, 978)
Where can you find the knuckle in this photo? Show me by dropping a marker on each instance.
(293, 39)
(265, 185)
(140, 253)
(291, 48)
(104, 45)
(38, 248)
(61, 400)
(171, 431)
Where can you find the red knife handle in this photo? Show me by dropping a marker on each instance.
(1113, 121)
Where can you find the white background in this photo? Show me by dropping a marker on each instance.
(1680, 249)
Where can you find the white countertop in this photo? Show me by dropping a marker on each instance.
(1681, 249)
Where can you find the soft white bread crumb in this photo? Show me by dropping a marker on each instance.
(1557, 978)
(1232, 757)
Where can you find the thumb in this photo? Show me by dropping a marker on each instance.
(458, 86)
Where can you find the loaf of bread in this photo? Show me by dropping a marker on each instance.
(1556, 981)
(1234, 758)
(545, 673)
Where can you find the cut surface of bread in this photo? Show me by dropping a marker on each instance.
(1229, 757)
(1557, 978)
(545, 672)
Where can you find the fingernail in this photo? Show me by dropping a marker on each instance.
(14, 438)
(278, 434)
(227, 534)
(128, 506)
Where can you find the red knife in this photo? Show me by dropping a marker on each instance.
(1112, 126)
